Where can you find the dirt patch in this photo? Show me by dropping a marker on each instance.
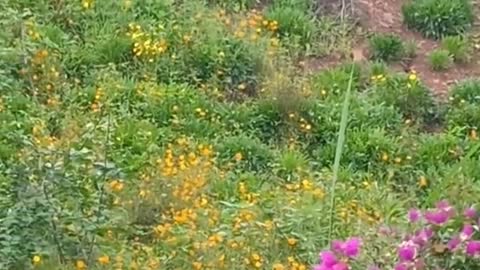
(385, 16)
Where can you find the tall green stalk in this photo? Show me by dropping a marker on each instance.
(338, 153)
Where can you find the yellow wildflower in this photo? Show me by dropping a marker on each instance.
(36, 260)
(278, 266)
(104, 260)
(238, 156)
(422, 182)
(80, 265)
(87, 4)
(292, 242)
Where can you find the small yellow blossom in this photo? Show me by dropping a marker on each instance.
(238, 156)
(104, 260)
(292, 242)
(87, 4)
(422, 182)
(80, 265)
(278, 266)
(36, 260)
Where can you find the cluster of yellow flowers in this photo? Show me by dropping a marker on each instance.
(41, 138)
(303, 124)
(251, 26)
(97, 105)
(32, 31)
(353, 210)
(146, 45)
(378, 78)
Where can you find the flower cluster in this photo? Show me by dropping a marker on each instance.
(340, 254)
(146, 45)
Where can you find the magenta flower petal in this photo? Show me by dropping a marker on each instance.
(453, 243)
(337, 246)
(473, 248)
(470, 212)
(328, 259)
(467, 232)
(443, 204)
(351, 247)
(438, 217)
(413, 215)
(407, 251)
(422, 236)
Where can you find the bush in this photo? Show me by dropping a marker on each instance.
(438, 18)
(464, 109)
(468, 91)
(457, 47)
(293, 23)
(410, 49)
(386, 47)
(440, 60)
(408, 95)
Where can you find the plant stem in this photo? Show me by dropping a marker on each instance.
(338, 153)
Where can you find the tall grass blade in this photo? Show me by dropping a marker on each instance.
(338, 153)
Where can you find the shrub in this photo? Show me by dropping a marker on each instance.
(410, 49)
(386, 47)
(293, 23)
(468, 91)
(463, 110)
(457, 47)
(440, 60)
(408, 95)
(249, 153)
(438, 18)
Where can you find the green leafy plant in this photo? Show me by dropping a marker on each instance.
(293, 24)
(438, 18)
(440, 60)
(386, 47)
(458, 48)
(410, 49)
(408, 95)
(463, 110)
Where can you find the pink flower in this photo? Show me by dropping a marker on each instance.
(467, 232)
(470, 212)
(421, 237)
(413, 215)
(473, 248)
(327, 258)
(407, 251)
(453, 243)
(445, 206)
(438, 217)
(351, 247)
(328, 261)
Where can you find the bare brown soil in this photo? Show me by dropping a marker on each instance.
(385, 16)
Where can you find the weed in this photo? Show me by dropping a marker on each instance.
(386, 47)
(410, 49)
(438, 18)
(458, 48)
(440, 60)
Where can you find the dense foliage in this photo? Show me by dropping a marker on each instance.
(438, 18)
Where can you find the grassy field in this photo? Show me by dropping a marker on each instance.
(148, 134)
